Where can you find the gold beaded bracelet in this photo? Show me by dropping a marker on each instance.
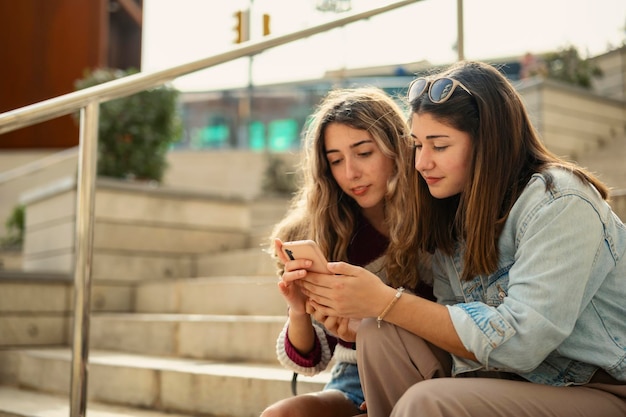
(391, 304)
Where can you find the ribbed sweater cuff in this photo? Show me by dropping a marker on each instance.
(310, 364)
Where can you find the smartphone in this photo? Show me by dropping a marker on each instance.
(307, 249)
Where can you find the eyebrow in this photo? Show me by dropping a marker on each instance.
(354, 145)
(431, 136)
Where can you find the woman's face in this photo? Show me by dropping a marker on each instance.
(357, 164)
(442, 155)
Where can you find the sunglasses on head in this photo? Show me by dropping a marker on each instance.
(439, 89)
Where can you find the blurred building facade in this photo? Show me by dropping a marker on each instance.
(278, 113)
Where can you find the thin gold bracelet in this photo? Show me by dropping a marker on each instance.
(391, 304)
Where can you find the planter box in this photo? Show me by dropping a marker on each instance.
(141, 231)
(10, 260)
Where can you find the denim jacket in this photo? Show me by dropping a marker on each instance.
(554, 312)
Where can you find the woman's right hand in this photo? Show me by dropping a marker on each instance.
(301, 331)
(290, 290)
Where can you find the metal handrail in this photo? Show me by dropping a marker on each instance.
(88, 101)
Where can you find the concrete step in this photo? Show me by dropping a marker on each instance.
(242, 262)
(131, 266)
(34, 308)
(268, 211)
(265, 213)
(189, 386)
(236, 295)
(215, 337)
(16, 402)
(133, 219)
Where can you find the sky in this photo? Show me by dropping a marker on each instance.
(181, 31)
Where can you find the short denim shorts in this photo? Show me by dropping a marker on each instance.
(345, 378)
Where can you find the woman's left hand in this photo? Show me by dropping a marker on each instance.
(353, 292)
(341, 327)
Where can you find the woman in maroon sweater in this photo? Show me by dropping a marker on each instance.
(356, 162)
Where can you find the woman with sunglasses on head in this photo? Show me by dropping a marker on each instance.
(529, 265)
(355, 171)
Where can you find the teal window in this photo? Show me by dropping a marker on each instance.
(283, 134)
(256, 131)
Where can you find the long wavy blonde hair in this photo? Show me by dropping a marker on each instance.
(320, 210)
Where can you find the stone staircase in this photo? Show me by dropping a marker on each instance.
(201, 346)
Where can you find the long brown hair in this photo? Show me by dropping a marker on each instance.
(506, 152)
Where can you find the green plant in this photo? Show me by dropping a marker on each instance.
(15, 229)
(567, 65)
(135, 132)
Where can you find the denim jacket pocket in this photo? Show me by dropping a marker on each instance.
(497, 287)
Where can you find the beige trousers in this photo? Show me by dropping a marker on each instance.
(404, 376)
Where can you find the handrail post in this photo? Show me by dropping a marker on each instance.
(85, 198)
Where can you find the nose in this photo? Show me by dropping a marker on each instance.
(353, 170)
(423, 159)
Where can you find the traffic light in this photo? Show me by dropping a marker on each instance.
(266, 24)
(241, 26)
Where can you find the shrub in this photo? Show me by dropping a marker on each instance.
(135, 132)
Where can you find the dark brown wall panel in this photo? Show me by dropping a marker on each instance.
(44, 47)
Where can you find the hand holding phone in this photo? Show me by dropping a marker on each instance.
(307, 249)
